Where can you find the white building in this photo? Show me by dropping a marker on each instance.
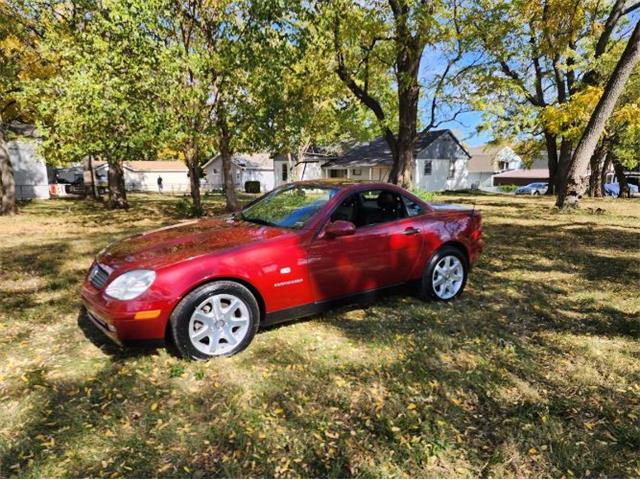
(308, 168)
(441, 162)
(142, 176)
(244, 167)
(29, 170)
(487, 161)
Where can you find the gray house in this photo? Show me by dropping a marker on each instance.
(29, 169)
(441, 162)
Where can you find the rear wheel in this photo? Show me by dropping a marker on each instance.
(217, 319)
(445, 276)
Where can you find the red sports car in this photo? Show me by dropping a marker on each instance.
(208, 285)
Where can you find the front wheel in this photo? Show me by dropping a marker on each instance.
(445, 276)
(217, 319)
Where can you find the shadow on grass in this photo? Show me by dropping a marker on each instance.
(475, 388)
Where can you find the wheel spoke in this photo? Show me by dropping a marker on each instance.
(439, 281)
(203, 318)
(200, 334)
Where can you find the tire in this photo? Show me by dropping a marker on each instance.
(448, 257)
(536, 192)
(218, 319)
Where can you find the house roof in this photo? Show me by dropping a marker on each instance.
(525, 173)
(377, 152)
(149, 166)
(483, 159)
(248, 161)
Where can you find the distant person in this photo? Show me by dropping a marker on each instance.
(160, 184)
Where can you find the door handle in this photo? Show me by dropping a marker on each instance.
(411, 231)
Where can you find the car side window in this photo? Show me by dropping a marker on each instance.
(379, 206)
(413, 209)
(346, 210)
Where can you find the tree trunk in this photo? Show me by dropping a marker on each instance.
(596, 162)
(552, 161)
(7, 180)
(603, 174)
(402, 173)
(291, 177)
(229, 181)
(622, 180)
(193, 163)
(574, 186)
(94, 187)
(117, 191)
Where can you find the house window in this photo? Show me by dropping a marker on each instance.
(452, 168)
(215, 171)
(428, 167)
(356, 172)
(337, 173)
(285, 172)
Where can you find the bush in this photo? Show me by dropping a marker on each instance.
(186, 208)
(424, 195)
(252, 186)
(509, 188)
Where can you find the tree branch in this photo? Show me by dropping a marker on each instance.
(360, 93)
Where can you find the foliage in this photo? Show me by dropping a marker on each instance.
(101, 101)
(508, 188)
(534, 372)
(186, 209)
(424, 195)
(546, 62)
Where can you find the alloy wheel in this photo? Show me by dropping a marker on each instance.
(447, 277)
(219, 324)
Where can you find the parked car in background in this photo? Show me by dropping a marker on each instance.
(613, 189)
(537, 188)
(208, 285)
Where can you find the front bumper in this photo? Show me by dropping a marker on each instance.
(116, 319)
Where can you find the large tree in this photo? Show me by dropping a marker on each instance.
(102, 100)
(19, 62)
(542, 55)
(574, 186)
(383, 43)
(298, 105)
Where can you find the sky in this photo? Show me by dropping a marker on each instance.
(465, 125)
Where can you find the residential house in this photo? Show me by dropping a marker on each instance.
(142, 175)
(29, 169)
(487, 161)
(244, 167)
(308, 168)
(441, 162)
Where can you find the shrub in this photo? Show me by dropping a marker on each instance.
(509, 188)
(252, 186)
(186, 208)
(424, 195)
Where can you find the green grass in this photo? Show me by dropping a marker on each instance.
(534, 372)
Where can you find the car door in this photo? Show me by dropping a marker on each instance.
(379, 254)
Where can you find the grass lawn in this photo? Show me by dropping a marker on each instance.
(534, 372)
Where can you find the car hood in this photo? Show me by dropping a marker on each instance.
(169, 245)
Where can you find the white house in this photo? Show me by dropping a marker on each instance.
(441, 162)
(29, 170)
(244, 167)
(142, 176)
(487, 161)
(308, 168)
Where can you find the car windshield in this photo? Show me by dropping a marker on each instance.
(289, 207)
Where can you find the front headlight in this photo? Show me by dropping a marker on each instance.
(131, 284)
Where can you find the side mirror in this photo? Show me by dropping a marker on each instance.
(339, 228)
